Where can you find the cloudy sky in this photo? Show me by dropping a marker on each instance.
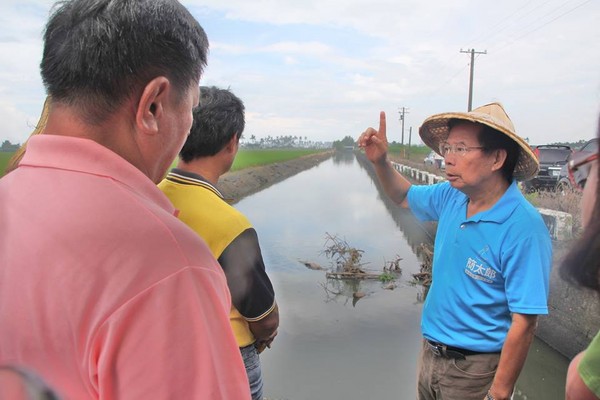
(323, 69)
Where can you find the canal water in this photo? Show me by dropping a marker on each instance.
(332, 345)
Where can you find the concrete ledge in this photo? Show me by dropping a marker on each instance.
(574, 313)
(560, 224)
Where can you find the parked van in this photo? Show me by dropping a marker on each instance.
(435, 160)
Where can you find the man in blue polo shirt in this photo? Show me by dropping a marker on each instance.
(492, 255)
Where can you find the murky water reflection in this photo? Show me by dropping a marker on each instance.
(331, 346)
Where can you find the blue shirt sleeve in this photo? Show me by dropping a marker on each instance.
(526, 268)
(427, 202)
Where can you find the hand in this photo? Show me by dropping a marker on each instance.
(261, 345)
(375, 142)
(495, 396)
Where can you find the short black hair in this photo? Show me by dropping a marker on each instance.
(491, 139)
(218, 117)
(97, 53)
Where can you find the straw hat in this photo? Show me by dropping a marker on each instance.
(435, 129)
(39, 128)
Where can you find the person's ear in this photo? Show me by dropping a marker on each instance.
(499, 159)
(151, 105)
(232, 145)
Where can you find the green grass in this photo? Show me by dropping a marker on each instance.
(245, 158)
(254, 157)
(387, 277)
(416, 153)
(4, 157)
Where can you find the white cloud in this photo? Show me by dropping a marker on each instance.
(306, 48)
(324, 69)
(16, 124)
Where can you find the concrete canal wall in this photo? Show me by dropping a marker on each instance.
(560, 224)
(574, 317)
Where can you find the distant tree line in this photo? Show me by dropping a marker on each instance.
(573, 145)
(345, 143)
(289, 141)
(281, 142)
(8, 146)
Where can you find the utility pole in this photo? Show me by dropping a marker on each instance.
(402, 111)
(409, 140)
(473, 52)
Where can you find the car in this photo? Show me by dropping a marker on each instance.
(565, 180)
(552, 159)
(435, 160)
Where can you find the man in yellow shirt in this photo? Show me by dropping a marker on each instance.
(208, 153)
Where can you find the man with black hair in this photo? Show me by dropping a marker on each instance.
(103, 291)
(208, 153)
(492, 254)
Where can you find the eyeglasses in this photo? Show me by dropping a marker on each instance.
(579, 168)
(459, 149)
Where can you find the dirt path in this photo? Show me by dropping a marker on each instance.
(239, 184)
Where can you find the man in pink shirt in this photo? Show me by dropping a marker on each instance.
(103, 292)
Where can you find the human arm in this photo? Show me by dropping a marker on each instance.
(514, 353)
(576, 388)
(265, 329)
(375, 144)
(251, 290)
(526, 262)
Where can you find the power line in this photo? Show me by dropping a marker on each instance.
(541, 26)
(540, 17)
(529, 27)
(439, 87)
(494, 31)
(448, 69)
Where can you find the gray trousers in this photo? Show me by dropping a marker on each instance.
(252, 364)
(441, 378)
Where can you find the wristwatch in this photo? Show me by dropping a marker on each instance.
(489, 396)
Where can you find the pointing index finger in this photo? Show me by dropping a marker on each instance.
(382, 125)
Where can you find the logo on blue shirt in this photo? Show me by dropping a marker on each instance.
(479, 271)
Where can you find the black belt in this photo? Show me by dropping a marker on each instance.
(441, 350)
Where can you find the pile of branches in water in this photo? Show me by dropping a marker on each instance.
(348, 265)
(346, 258)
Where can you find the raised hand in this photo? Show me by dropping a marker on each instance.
(375, 142)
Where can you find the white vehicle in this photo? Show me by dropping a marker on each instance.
(435, 160)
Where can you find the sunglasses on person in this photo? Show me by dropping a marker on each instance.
(579, 168)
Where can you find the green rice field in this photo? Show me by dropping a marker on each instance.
(244, 159)
(4, 157)
(414, 153)
(254, 157)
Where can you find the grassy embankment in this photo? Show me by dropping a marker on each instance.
(415, 154)
(244, 159)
